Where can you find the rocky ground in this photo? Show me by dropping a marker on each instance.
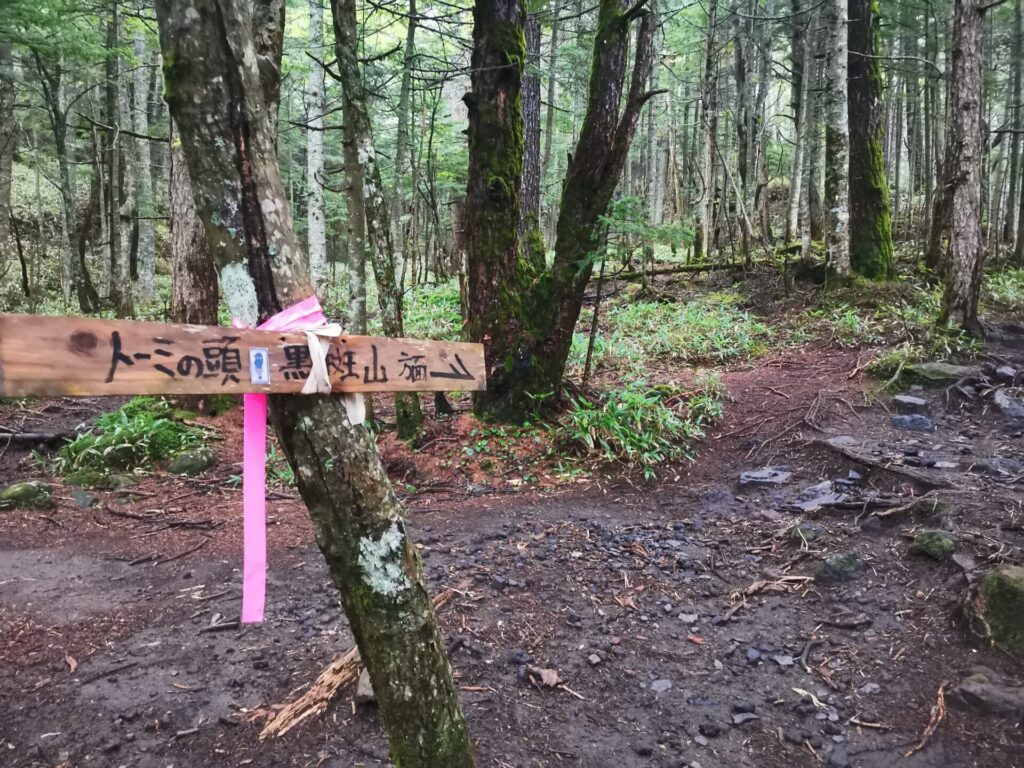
(801, 596)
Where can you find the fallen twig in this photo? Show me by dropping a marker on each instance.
(870, 461)
(109, 672)
(342, 671)
(938, 715)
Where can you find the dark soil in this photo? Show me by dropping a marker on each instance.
(682, 616)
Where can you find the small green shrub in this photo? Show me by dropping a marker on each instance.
(140, 433)
(640, 427)
(1005, 289)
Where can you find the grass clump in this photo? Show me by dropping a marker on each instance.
(640, 427)
(137, 435)
(1005, 289)
(707, 330)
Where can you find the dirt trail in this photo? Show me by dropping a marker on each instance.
(683, 616)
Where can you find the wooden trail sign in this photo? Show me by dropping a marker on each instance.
(50, 356)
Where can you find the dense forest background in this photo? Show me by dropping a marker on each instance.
(750, 132)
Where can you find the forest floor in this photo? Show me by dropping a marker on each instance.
(682, 616)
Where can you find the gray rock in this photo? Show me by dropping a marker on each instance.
(1002, 594)
(1010, 406)
(1000, 466)
(83, 499)
(364, 690)
(984, 691)
(807, 531)
(753, 655)
(839, 758)
(783, 660)
(914, 422)
(1006, 373)
(31, 493)
(594, 659)
(192, 463)
(660, 686)
(869, 689)
(744, 717)
(911, 404)
(939, 371)
(643, 748)
(841, 568)
(689, 618)
(766, 476)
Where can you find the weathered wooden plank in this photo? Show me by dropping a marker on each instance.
(87, 356)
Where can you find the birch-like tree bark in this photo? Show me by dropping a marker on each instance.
(837, 142)
(144, 207)
(403, 192)
(359, 138)
(316, 218)
(1017, 125)
(966, 250)
(801, 97)
(215, 96)
(119, 290)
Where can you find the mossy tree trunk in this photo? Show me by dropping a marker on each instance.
(496, 277)
(215, 96)
(870, 221)
(529, 191)
(524, 316)
(359, 137)
(966, 248)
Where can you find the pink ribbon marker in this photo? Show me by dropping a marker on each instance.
(307, 314)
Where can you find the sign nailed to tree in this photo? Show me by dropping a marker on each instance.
(84, 356)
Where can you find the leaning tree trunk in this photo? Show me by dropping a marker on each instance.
(530, 318)
(316, 221)
(144, 207)
(358, 134)
(870, 222)
(215, 96)
(966, 251)
(837, 143)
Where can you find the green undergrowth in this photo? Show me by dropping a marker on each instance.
(899, 318)
(1004, 290)
(138, 435)
(707, 330)
(640, 427)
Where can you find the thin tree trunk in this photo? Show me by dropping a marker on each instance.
(529, 191)
(549, 119)
(815, 151)
(74, 275)
(966, 252)
(401, 203)
(870, 222)
(837, 143)
(120, 288)
(800, 98)
(8, 139)
(703, 242)
(358, 134)
(144, 174)
(215, 96)
(1017, 124)
(316, 220)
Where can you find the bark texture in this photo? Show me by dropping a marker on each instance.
(837, 142)
(316, 220)
(870, 221)
(703, 242)
(525, 317)
(215, 95)
(966, 249)
(144, 207)
(8, 140)
(359, 137)
(529, 193)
